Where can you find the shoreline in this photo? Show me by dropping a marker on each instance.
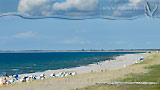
(41, 51)
(86, 79)
(117, 63)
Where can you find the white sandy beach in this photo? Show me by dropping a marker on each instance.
(114, 70)
(118, 63)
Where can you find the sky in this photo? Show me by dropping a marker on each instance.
(83, 8)
(58, 34)
(61, 34)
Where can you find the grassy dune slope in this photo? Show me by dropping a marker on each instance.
(151, 68)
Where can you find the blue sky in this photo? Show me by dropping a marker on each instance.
(57, 34)
(83, 8)
(97, 33)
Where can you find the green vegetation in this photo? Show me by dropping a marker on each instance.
(121, 87)
(153, 75)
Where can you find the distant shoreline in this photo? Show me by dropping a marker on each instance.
(68, 51)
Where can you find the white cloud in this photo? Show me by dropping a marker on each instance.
(116, 13)
(50, 7)
(27, 5)
(134, 2)
(82, 5)
(33, 6)
(132, 5)
(29, 34)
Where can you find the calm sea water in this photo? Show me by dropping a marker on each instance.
(18, 63)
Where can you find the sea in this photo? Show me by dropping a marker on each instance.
(20, 63)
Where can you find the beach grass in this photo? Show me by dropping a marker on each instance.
(151, 64)
(153, 74)
(121, 87)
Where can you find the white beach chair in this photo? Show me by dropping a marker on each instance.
(16, 81)
(42, 76)
(38, 78)
(8, 82)
(74, 73)
(34, 77)
(53, 75)
(0, 81)
(66, 74)
(61, 74)
(21, 80)
(57, 75)
(27, 79)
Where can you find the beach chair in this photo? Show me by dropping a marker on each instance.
(24, 79)
(38, 78)
(53, 75)
(33, 77)
(42, 76)
(28, 79)
(74, 73)
(8, 82)
(61, 74)
(0, 81)
(57, 75)
(66, 74)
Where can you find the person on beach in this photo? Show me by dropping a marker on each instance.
(16, 77)
(6, 75)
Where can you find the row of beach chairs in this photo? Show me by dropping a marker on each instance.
(6, 80)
